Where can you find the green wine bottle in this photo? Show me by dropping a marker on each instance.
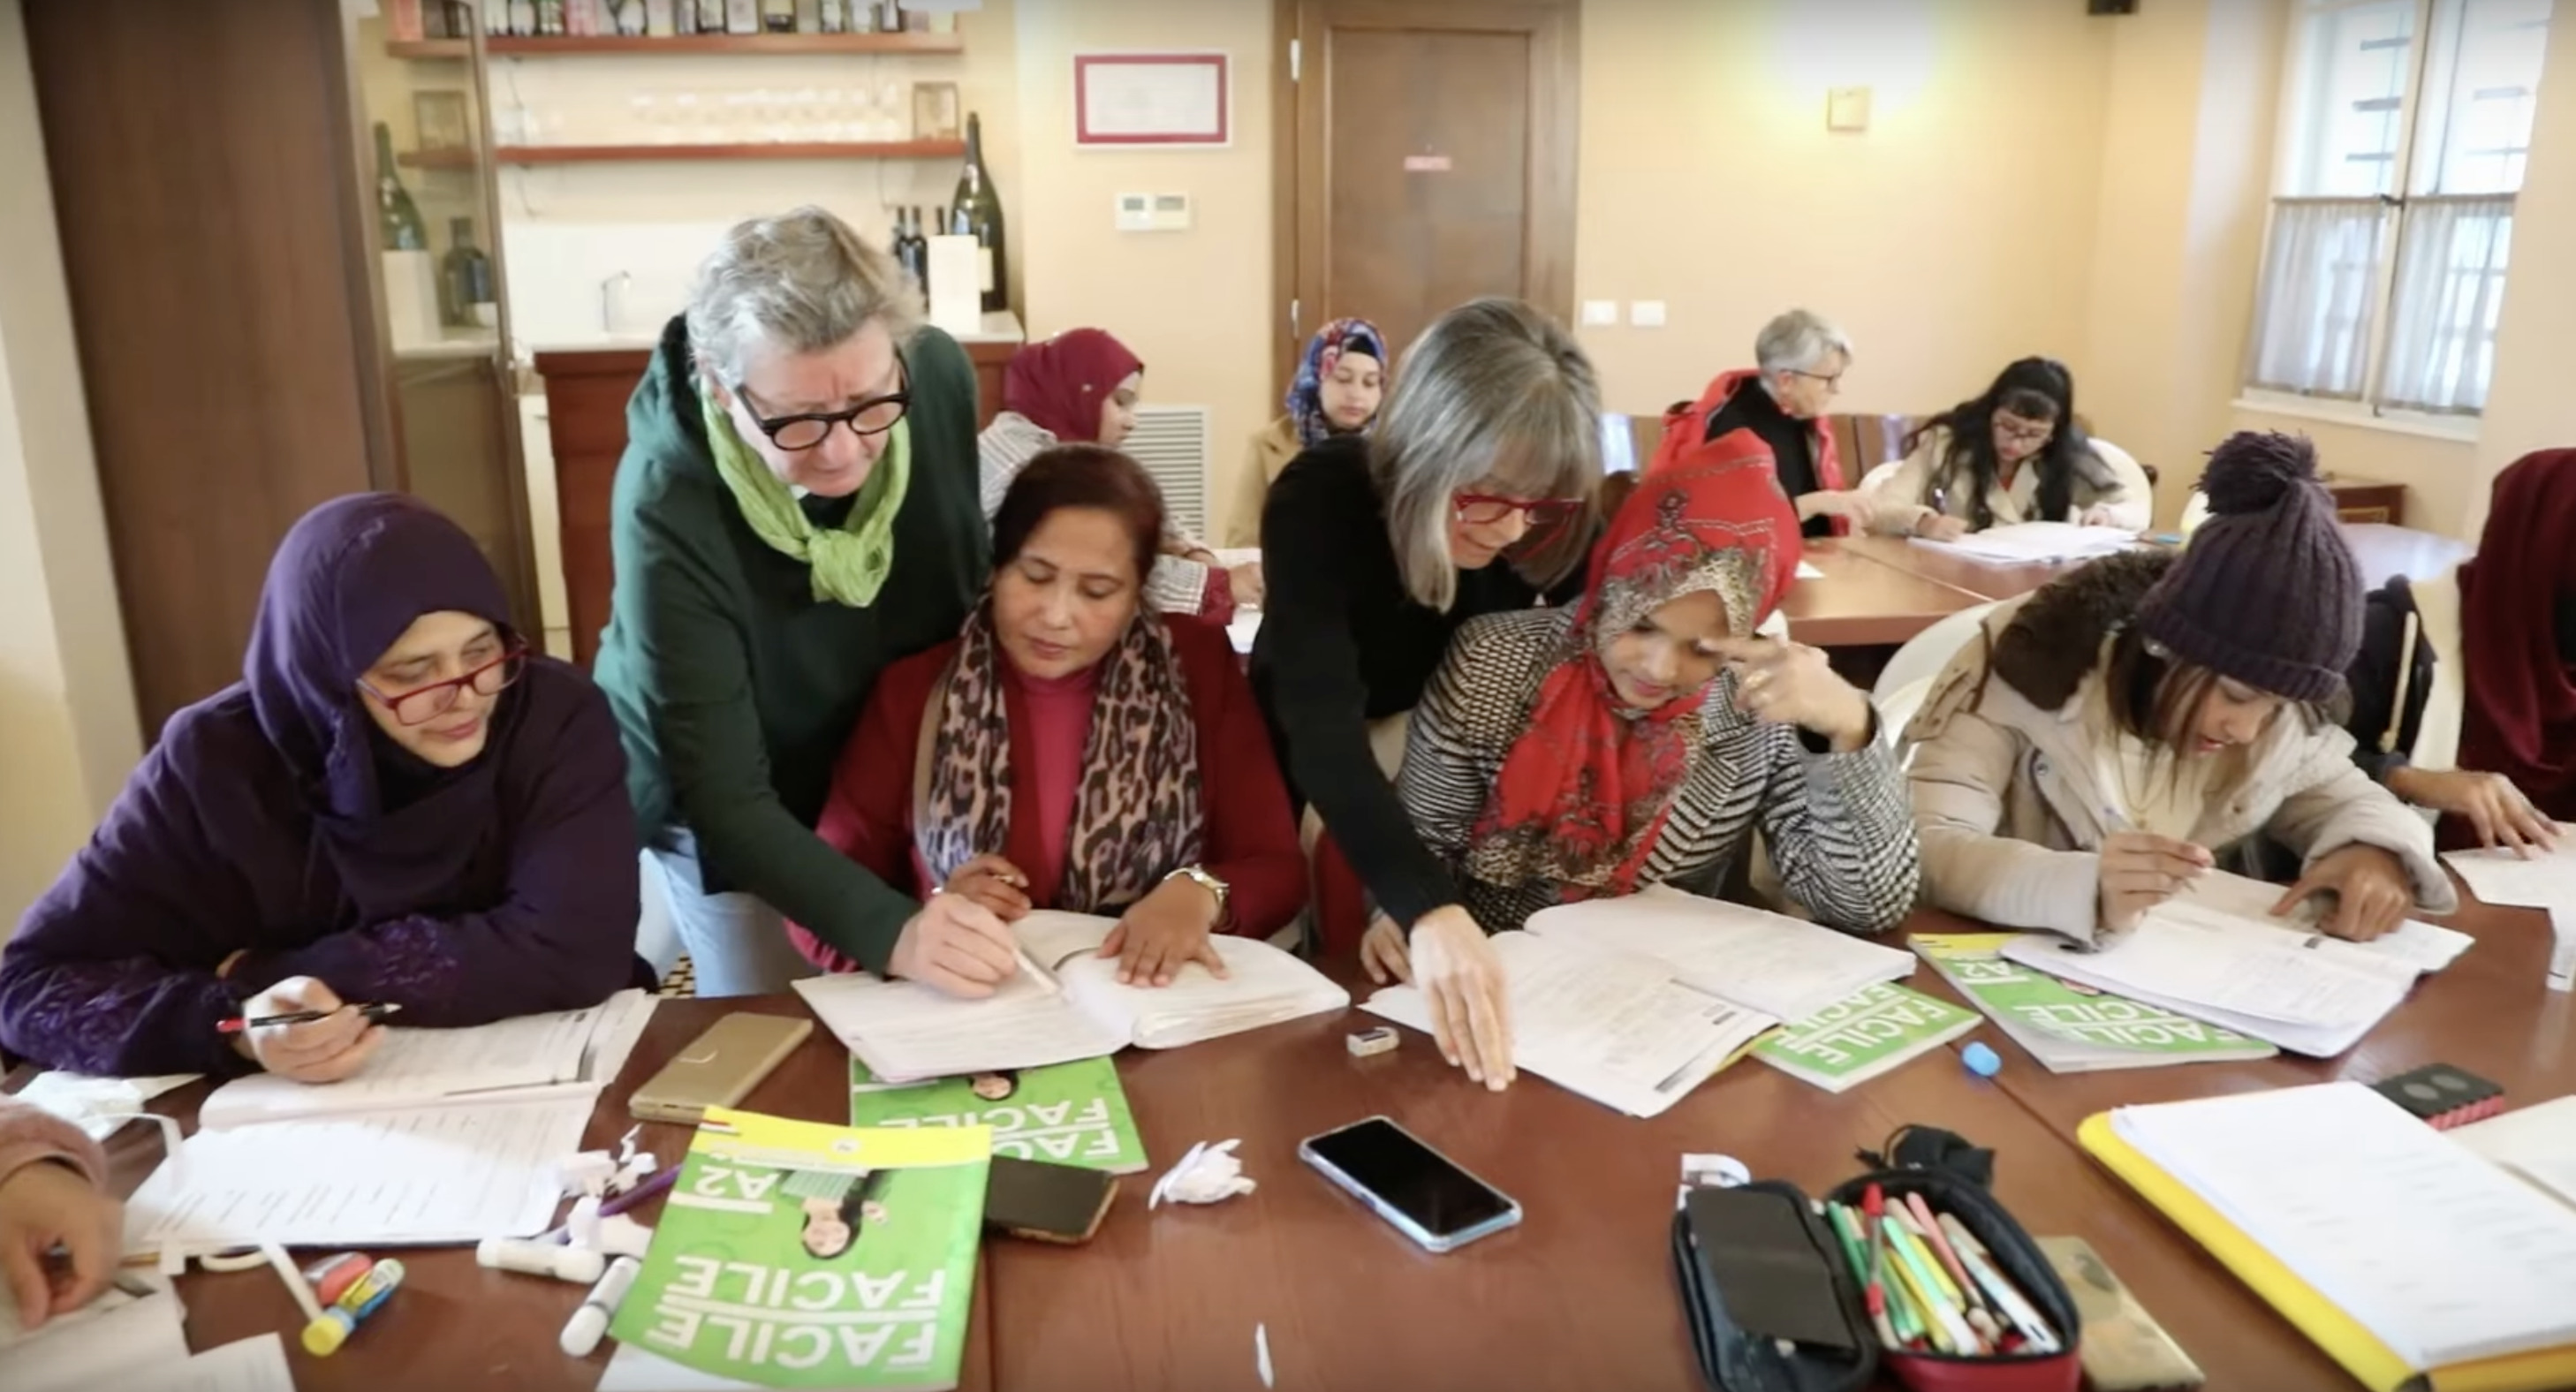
(979, 215)
(398, 218)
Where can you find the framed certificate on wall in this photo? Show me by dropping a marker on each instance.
(1152, 100)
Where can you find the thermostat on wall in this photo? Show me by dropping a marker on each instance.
(1153, 212)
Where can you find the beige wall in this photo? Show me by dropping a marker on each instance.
(1195, 305)
(68, 730)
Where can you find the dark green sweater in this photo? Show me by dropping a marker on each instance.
(733, 685)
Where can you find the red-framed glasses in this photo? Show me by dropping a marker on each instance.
(425, 704)
(1487, 509)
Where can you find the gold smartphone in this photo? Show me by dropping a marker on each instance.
(718, 1068)
(2124, 1349)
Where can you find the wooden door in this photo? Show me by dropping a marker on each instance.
(1427, 157)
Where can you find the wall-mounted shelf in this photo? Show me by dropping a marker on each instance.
(774, 150)
(701, 44)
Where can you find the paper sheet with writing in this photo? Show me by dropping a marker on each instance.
(418, 1067)
(2546, 880)
(1615, 1028)
(2023, 543)
(436, 1174)
(1765, 962)
(2440, 1254)
(2416, 946)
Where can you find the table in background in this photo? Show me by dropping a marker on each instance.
(1861, 602)
(2382, 550)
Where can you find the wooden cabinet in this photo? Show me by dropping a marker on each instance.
(586, 394)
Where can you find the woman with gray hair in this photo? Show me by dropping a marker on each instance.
(796, 510)
(1377, 547)
(1800, 361)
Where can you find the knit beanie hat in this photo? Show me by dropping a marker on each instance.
(2268, 592)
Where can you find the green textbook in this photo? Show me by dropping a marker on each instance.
(794, 1254)
(1066, 1114)
(1863, 1035)
(2071, 1028)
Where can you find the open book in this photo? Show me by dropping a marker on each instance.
(565, 1053)
(1064, 1003)
(2071, 1028)
(2216, 954)
(1767, 963)
(1618, 1028)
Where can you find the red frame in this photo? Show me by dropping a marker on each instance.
(1084, 135)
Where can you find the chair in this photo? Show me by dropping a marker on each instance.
(1925, 654)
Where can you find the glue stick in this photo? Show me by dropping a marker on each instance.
(363, 1298)
(579, 1265)
(588, 1324)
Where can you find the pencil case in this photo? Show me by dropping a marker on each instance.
(1953, 1178)
(1773, 1306)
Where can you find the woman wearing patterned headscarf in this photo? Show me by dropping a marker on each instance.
(1642, 736)
(1339, 384)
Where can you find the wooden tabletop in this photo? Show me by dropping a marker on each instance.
(1579, 1296)
(2383, 551)
(1861, 602)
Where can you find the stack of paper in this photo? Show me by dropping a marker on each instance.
(1064, 1004)
(1765, 962)
(1617, 1028)
(571, 1053)
(432, 1175)
(2215, 955)
(2073, 1029)
(2547, 880)
(1858, 1038)
(2044, 543)
(2441, 1257)
(2537, 1143)
(122, 1340)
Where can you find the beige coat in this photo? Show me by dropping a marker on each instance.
(2008, 799)
(1900, 499)
(1272, 447)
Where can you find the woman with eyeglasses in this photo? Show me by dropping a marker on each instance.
(2013, 454)
(1801, 359)
(397, 806)
(797, 509)
(1472, 496)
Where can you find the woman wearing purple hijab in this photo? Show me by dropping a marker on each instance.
(398, 805)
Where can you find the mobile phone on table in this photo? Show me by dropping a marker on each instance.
(1047, 1203)
(719, 1068)
(2124, 1349)
(1425, 1194)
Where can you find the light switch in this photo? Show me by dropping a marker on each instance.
(1646, 314)
(1171, 212)
(1600, 313)
(1135, 212)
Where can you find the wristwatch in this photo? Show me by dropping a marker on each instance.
(1198, 875)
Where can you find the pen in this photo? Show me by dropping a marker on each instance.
(1940, 1301)
(373, 1013)
(1848, 1234)
(1981, 1317)
(2008, 1300)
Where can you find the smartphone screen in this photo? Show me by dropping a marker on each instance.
(1384, 1160)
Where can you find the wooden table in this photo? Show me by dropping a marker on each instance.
(2383, 551)
(1860, 601)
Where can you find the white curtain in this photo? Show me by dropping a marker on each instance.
(2312, 325)
(2442, 316)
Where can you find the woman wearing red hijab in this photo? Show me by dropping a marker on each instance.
(1643, 736)
(2518, 635)
(1081, 387)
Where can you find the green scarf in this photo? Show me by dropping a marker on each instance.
(850, 561)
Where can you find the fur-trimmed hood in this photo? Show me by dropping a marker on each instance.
(2054, 638)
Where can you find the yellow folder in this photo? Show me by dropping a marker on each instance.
(2344, 1338)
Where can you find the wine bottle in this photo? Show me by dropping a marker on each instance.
(979, 215)
(466, 279)
(397, 217)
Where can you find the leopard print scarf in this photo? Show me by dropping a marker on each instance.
(1136, 814)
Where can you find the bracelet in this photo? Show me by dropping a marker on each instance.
(1200, 877)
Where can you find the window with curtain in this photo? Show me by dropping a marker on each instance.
(2392, 216)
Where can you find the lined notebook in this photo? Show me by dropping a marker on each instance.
(2398, 1250)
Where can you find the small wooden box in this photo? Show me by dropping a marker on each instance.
(2367, 500)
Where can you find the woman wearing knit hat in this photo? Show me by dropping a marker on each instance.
(2124, 727)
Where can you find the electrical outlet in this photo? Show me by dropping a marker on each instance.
(1600, 313)
(1646, 314)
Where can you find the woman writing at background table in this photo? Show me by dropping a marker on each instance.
(1340, 382)
(398, 804)
(1081, 387)
(796, 510)
(1073, 749)
(2113, 734)
(2011, 455)
(1377, 548)
(1643, 736)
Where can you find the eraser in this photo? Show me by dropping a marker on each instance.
(1372, 1041)
(1981, 1060)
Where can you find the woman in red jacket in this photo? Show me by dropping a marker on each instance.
(1072, 749)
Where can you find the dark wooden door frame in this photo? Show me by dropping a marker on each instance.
(1298, 95)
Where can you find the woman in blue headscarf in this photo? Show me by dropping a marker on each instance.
(1339, 384)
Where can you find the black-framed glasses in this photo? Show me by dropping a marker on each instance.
(425, 704)
(1833, 380)
(874, 416)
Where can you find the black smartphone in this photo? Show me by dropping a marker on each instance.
(1425, 1194)
(1046, 1203)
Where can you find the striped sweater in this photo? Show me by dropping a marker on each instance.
(1177, 586)
(1837, 826)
